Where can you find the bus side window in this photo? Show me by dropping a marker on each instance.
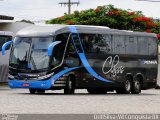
(118, 44)
(108, 44)
(58, 51)
(102, 44)
(131, 45)
(76, 41)
(152, 45)
(87, 42)
(71, 49)
(142, 46)
(96, 43)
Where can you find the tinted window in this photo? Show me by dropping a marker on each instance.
(71, 49)
(77, 42)
(142, 46)
(131, 45)
(58, 51)
(87, 41)
(118, 44)
(152, 45)
(108, 44)
(102, 44)
(96, 43)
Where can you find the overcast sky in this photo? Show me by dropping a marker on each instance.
(47, 9)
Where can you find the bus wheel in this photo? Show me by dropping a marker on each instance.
(32, 91)
(136, 88)
(70, 86)
(127, 85)
(96, 91)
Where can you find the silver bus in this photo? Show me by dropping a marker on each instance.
(5, 36)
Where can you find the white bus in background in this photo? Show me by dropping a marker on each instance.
(4, 37)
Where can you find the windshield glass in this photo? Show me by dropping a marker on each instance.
(30, 53)
(39, 53)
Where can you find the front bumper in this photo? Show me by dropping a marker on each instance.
(30, 84)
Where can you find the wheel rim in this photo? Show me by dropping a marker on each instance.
(137, 85)
(127, 85)
(70, 85)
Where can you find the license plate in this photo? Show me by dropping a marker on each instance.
(25, 85)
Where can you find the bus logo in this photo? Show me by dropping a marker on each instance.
(149, 62)
(113, 63)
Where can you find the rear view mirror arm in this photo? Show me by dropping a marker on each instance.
(51, 47)
(4, 46)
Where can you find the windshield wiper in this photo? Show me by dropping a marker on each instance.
(33, 63)
(25, 57)
(23, 63)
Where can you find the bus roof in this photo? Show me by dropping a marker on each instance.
(51, 30)
(6, 33)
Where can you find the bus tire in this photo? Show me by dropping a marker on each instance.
(97, 91)
(32, 91)
(136, 87)
(70, 86)
(127, 86)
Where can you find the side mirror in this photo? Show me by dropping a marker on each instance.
(51, 47)
(4, 46)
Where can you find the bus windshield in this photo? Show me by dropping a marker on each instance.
(30, 53)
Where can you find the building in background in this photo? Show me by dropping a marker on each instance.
(7, 23)
(8, 29)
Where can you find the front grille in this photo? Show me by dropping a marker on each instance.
(61, 82)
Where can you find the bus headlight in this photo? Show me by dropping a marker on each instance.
(46, 76)
(10, 76)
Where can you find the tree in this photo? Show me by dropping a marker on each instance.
(111, 17)
(27, 21)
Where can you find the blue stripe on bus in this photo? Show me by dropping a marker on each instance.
(89, 68)
(61, 73)
(72, 29)
(4, 47)
(51, 47)
(32, 84)
(84, 59)
(74, 44)
(39, 84)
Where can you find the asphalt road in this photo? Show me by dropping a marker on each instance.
(19, 101)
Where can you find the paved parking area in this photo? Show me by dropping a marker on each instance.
(19, 101)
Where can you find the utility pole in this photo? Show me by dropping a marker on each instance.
(69, 4)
